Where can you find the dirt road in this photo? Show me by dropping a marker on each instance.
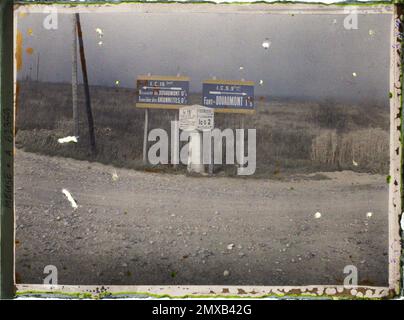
(150, 228)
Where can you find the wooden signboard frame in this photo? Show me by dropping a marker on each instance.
(234, 83)
(148, 106)
(162, 78)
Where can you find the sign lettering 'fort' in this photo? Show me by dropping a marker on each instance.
(161, 92)
(228, 96)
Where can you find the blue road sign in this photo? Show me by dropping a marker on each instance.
(162, 92)
(229, 96)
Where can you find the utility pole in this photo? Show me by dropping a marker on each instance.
(86, 88)
(145, 133)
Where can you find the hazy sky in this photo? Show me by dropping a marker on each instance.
(310, 56)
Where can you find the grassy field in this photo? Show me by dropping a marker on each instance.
(292, 137)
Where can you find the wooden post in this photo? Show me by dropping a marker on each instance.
(211, 162)
(74, 77)
(146, 132)
(86, 88)
(7, 282)
(241, 155)
(175, 142)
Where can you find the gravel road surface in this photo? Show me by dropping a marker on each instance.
(134, 227)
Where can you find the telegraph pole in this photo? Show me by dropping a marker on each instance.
(86, 87)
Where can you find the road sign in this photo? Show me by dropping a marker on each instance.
(161, 92)
(196, 117)
(229, 96)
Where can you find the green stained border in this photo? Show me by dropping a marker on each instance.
(400, 13)
(7, 282)
(101, 293)
(7, 151)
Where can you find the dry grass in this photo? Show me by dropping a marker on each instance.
(292, 137)
(365, 148)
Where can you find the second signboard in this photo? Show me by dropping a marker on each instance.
(229, 96)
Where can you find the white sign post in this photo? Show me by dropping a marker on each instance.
(196, 119)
